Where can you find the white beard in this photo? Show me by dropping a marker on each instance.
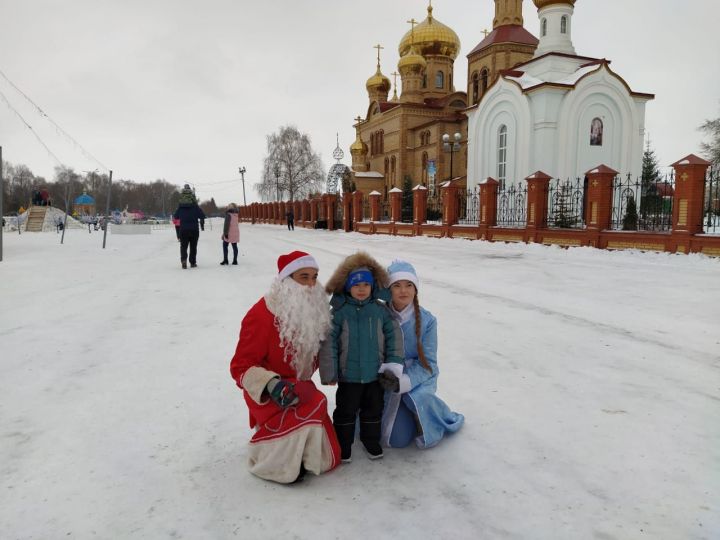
(302, 318)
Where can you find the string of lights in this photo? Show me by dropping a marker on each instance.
(58, 128)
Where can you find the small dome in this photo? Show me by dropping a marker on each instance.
(412, 60)
(378, 82)
(358, 147)
(84, 199)
(431, 37)
(545, 3)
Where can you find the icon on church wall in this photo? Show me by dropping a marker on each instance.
(596, 132)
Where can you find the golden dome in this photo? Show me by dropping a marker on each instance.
(378, 81)
(544, 3)
(411, 60)
(358, 147)
(431, 37)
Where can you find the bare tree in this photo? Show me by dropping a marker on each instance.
(291, 168)
(712, 149)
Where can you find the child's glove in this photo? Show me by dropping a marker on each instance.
(282, 392)
(389, 381)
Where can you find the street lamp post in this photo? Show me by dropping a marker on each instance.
(241, 170)
(451, 148)
(276, 170)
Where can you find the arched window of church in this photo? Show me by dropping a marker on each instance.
(382, 141)
(596, 132)
(392, 169)
(450, 81)
(424, 168)
(475, 87)
(484, 79)
(427, 137)
(372, 144)
(502, 156)
(424, 80)
(387, 167)
(543, 27)
(439, 80)
(563, 24)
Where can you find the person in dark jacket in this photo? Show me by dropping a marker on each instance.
(189, 214)
(290, 215)
(364, 340)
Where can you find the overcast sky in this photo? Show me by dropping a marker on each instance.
(187, 90)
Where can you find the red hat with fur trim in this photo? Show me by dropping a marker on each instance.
(292, 262)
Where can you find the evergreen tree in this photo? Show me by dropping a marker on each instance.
(563, 210)
(630, 220)
(406, 207)
(650, 201)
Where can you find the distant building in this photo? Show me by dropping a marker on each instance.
(84, 205)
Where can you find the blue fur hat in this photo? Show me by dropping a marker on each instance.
(359, 275)
(399, 270)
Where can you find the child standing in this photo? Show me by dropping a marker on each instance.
(231, 233)
(363, 337)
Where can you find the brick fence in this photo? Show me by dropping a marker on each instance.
(685, 235)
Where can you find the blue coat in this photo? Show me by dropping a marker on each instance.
(419, 406)
(189, 215)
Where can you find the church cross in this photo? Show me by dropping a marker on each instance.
(358, 119)
(485, 32)
(412, 22)
(684, 176)
(395, 76)
(378, 47)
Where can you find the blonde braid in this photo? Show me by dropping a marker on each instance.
(421, 353)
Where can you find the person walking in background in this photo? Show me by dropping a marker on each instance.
(290, 215)
(413, 411)
(189, 214)
(231, 233)
(273, 364)
(364, 340)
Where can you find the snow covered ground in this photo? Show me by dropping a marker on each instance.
(590, 383)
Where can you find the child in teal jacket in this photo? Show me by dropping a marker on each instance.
(363, 336)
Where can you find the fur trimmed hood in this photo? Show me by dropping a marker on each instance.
(336, 283)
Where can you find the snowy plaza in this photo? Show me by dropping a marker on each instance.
(588, 378)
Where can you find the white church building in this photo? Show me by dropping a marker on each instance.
(558, 113)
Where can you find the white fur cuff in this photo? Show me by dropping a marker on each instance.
(395, 369)
(255, 380)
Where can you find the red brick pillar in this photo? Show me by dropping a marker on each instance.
(313, 211)
(688, 202)
(420, 197)
(488, 202)
(357, 198)
(347, 209)
(305, 211)
(450, 204)
(297, 210)
(396, 204)
(537, 203)
(598, 210)
(330, 200)
(374, 206)
(283, 211)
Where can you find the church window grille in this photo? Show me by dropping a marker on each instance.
(439, 80)
(543, 27)
(502, 156)
(475, 87)
(484, 78)
(563, 24)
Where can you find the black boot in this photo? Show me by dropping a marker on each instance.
(345, 434)
(224, 263)
(370, 437)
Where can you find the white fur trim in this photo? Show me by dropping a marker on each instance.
(404, 384)
(255, 380)
(306, 261)
(409, 276)
(395, 369)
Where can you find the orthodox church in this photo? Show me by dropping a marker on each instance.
(557, 112)
(399, 136)
(530, 104)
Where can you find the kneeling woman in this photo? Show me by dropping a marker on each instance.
(412, 410)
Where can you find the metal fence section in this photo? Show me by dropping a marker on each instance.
(512, 206)
(711, 214)
(384, 210)
(434, 209)
(566, 204)
(654, 213)
(366, 209)
(468, 203)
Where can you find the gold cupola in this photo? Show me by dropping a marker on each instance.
(431, 37)
(544, 3)
(358, 149)
(378, 85)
